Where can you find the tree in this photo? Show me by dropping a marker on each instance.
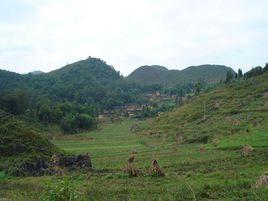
(254, 72)
(14, 102)
(265, 68)
(240, 73)
(84, 121)
(197, 88)
(229, 76)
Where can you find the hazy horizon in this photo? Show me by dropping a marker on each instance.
(46, 35)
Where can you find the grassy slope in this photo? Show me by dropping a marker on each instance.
(231, 109)
(218, 173)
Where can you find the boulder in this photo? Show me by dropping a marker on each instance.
(39, 167)
(75, 161)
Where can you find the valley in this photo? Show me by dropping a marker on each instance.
(133, 100)
(212, 147)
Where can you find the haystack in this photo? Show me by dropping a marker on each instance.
(155, 169)
(246, 150)
(130, 169)
(202, 149)
(55, 165)
(262, 181)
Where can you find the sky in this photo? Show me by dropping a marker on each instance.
(48, 34)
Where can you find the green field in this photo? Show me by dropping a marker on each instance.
(219, 173)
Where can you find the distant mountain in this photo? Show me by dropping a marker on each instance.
(37, 72)
(161, 75)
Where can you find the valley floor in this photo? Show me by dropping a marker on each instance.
(213, 173)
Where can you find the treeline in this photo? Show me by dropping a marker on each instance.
(72, 117)
(251, 73)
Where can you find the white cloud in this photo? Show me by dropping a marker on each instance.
(127, 34)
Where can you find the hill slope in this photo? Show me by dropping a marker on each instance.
(161, 75)
(89, 81)
(234, 108)
(21, 148)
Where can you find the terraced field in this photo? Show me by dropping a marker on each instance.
(190, 174)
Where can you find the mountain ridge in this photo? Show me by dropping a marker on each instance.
(210, 73)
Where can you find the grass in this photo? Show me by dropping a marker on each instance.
(219, 173)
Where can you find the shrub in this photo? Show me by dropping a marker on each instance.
(75, 123)
(61, 191)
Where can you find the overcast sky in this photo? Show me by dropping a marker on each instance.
(48, 34)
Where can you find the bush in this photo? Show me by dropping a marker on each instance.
(75, 123)
(61, 191)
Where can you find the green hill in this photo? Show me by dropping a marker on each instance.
(22, 147)
(71, 96)
(237, 107)
(160, 75)
(91, 77)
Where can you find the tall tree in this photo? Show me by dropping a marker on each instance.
(229, 76)
(240, 73)
(197, 88)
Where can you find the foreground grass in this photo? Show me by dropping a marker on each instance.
(219, 173)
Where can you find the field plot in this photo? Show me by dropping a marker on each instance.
(191, 173)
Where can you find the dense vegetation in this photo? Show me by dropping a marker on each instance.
(73, 96)
(20, 143)
(160, 75)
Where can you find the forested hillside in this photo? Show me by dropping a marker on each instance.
(161, 75)
(71, 96)
(74, 95)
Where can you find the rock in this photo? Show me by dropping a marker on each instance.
(75, 161)
(39, 167)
